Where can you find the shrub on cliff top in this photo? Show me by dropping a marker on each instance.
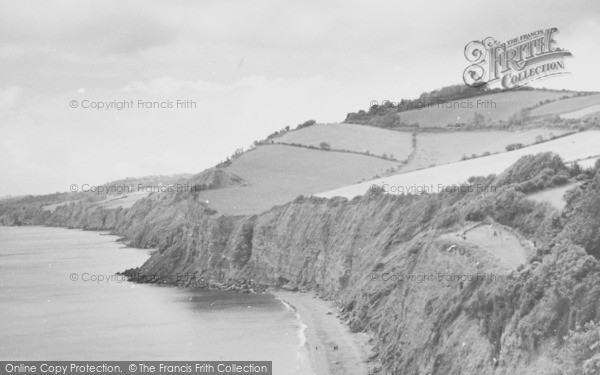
(529, 167)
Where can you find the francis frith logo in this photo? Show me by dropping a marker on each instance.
(516, 62)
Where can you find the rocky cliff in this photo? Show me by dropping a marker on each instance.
(413, 270)
(385, 260)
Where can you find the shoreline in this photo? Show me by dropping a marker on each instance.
(330, 346)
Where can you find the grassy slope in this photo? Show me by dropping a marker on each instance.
(507, 104)
(432, 148)
(353, 137)
(443, 148)
(570, 148)
(278, 174)
(566, 105)
(500, 242)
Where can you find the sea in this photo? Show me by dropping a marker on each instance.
(60, 299)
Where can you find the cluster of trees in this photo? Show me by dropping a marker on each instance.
(386, 114)
(536, 172)
(533, 169)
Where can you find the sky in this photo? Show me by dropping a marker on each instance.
(251, 67)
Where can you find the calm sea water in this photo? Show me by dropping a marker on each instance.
(46, 315)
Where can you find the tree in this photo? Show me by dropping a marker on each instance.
(514, 146)
(478, 118)
(306, 124)
(325, 146)
(559, 179)
(576, 169)
(519, 117)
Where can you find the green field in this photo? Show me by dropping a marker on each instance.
(278, 174)
(353, 137)
(573, 147)
(274, 174)
(566, 105)
(443, 148)
(506, 104)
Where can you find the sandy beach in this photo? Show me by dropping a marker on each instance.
(332, 347)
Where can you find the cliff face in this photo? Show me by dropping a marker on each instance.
(416, 271)
(73, 215)
(385, 260)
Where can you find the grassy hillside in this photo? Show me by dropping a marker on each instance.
(432, 148)
(566, 105)
(507, 104)
(276, 174)
(570, 148)
(354, 138)
(494, 107)
(442, 148)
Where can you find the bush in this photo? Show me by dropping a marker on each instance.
(478, 118)
(559, 180)
(519, 117)
(527, 186)
(306, 124)
(534, 167)
(325, 146)
(514, 146)
(575, 169)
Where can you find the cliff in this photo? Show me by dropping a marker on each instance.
(418, 272)
(500, 324)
